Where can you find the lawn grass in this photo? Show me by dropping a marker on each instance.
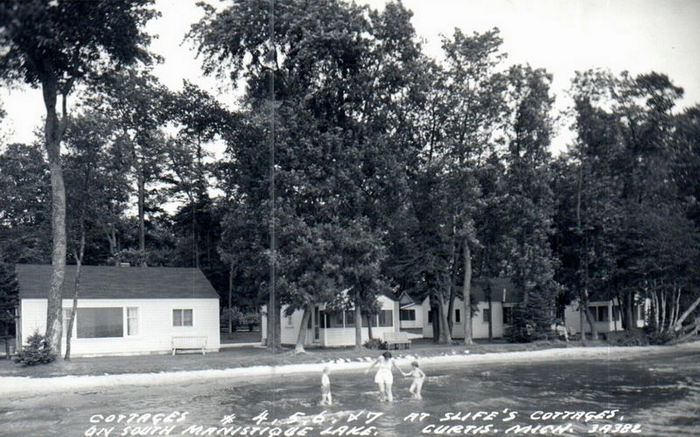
(243, 336)
(250, 356)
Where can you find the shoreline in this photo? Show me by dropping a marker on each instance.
(23, 385)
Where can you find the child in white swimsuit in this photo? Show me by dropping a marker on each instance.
(418, 378)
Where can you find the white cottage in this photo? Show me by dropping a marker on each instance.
(494, 299)
(410, 314)
(124, 310)
(606, 316)
(333, 329)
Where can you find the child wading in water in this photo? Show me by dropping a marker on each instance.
(418, 378)
(326, 398)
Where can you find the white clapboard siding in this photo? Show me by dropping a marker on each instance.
(331, 337)
(155, 325)
(480, 326)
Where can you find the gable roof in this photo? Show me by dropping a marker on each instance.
(109, 282)
(502, 290)
(407, 300)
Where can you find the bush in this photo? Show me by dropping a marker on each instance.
(375, 343)
(656, 337)
(35, 352)
(627, 338)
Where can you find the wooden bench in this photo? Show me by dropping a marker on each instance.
(188, 343)
(395, 339)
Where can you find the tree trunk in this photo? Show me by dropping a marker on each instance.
(451, 286)
(663, 311)
(450, 308)
(52, 131)
(445, 337)
(358, 324)
(194, 234)
(629, 313)
(690, 333)
(436, 321)
(369, 326)
(671, 310)
(301, 336)
(580, 322)
(273, 326)
(110, 233)
(591, 322)
(677, 306)
(467, 294)
(686, 313)
(230, 297)
(490, 313)
(76, 289)
(142, 215)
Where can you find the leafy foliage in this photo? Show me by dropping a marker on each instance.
(35, 352)
(375, 343)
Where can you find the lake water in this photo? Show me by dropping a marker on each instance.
(655, 395)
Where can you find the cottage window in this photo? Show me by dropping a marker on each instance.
(487, 315)
(132, 321)
(430, 316)
(182, 317)
(600, 313)
(458, 319)
(289, 321)
(507, 315)
(386, 318)
(350, 318)
(407, 315)
(333, 319)
(100, 322)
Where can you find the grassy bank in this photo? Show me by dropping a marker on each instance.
(253, 356)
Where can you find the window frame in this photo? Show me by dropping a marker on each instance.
(383, 313)
(507, 319)
(182, 318)
(137, 318)
(411, 318)
(76, 325)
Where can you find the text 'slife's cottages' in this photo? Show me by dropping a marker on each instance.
(124, 310)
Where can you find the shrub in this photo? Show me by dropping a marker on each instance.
(656, 337)
(36, 351)
(375, 343)
(627, 338)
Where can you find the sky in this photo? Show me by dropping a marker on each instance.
(562, 36)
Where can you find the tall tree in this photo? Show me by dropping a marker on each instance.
(138, 103)
(96, 194)
(199, 120)
(306, 77)
(54, 45)
(25, 204)
(528, 206)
